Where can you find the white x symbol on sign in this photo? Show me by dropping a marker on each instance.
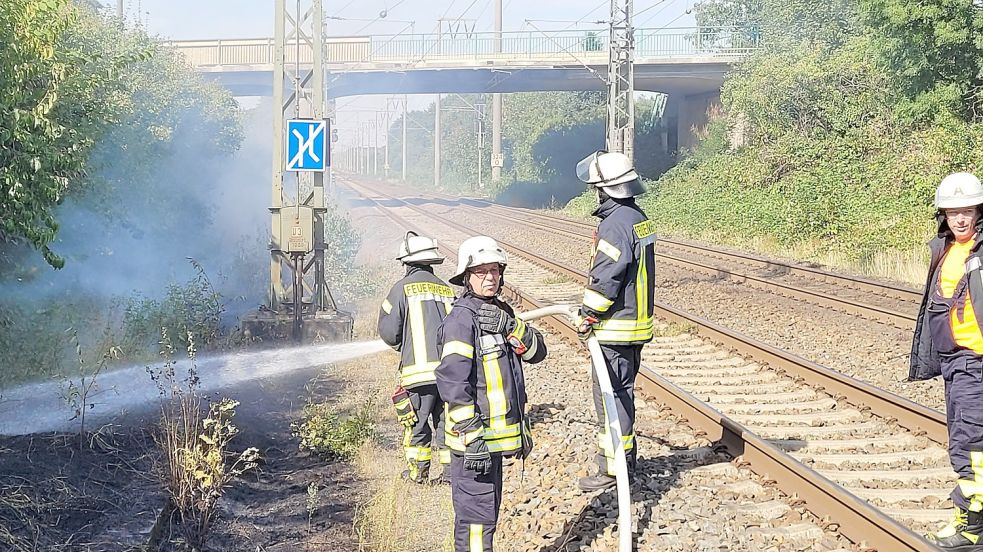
(306, 145)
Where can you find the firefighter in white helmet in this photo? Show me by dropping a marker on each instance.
(408, 321)
(483, 347)
(948, 341)
(618, 298)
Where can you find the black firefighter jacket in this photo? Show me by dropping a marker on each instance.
(620, 291)
(925, 362)
(409, 319)
(481, 375)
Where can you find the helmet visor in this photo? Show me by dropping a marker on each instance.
(584, 169)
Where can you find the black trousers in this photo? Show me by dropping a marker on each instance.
(623, 362)
(476, 499)
(428, 431)
(963, 375)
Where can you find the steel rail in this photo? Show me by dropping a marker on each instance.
(897, 319)
(858, 520)
(880, 288)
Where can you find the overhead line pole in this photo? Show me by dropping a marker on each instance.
(496, 154)
(621, 80)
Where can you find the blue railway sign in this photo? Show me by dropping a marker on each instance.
(307, 145)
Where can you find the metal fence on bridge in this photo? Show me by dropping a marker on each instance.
(549, 46)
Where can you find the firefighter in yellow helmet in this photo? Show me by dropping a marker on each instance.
(948, 341)
(618, 298)
(483, 348)
(408, 321)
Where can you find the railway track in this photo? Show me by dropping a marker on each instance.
(869, 461)
(869, 299)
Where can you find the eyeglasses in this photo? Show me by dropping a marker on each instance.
(484, 272)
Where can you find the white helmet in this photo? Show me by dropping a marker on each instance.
(477, 251)
(612, 172)
(417, 249)
(960, 189)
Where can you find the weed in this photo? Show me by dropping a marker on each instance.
(195, 471)
(312, 499)
(76, 394)
(326, 433)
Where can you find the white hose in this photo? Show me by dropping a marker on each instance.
(614, 423)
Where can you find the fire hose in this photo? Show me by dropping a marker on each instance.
(614, 425)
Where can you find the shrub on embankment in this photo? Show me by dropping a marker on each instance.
(831, 141)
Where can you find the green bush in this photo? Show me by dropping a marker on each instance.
(326, 433)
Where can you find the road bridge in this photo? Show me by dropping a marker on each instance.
(689, 64)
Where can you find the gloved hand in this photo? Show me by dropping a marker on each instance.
(477, 458)
(494, 320)
(404, 408)
(585, 325)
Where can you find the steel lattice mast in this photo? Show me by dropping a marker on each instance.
(621, 80)
(298, 38)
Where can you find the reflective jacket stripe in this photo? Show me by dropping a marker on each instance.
(609, 250)
(418, 333)
(596, 301)
(466, 350)
(497, 405)
(387, 307)
(459, 414)
(416, 374)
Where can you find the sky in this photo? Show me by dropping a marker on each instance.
(215, 19)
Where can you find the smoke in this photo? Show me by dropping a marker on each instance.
(133, 232)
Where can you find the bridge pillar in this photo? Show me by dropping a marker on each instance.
(693, 116)
(496, 158)
(436, 143)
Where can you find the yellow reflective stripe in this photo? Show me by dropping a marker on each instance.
(644, 229)
(428, 288)
(418, 373)
(418, 329)
(418, 454)
(609, 250)
(623, 336)
(520, 329)
(448, 304)
(531, 350)
(460, 413)
(505, 445)
(476, 538)
(510, 430)
(616, 324)
(973, 488)
(495, 390)
(387, 307)
(595, 301)
(466, 350)
(641, 289)
(444, 456)
(604, 443)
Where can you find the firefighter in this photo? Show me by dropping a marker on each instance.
(480, 379)
(948, 342)
(618, 298)
(408, 321)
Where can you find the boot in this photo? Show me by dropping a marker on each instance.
(963, 534)
(597, 482)
(421, 477)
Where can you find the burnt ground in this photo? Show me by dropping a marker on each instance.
(106, 498)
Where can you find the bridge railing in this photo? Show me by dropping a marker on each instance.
(532, 45)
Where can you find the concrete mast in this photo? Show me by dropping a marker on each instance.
(496, 154)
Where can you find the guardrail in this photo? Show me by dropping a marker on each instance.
(570, 46)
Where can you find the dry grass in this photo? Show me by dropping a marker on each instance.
(396, 515)
(672, 329)
(909, 267)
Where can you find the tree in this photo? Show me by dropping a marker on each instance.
(936, 49)
(38, 152)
